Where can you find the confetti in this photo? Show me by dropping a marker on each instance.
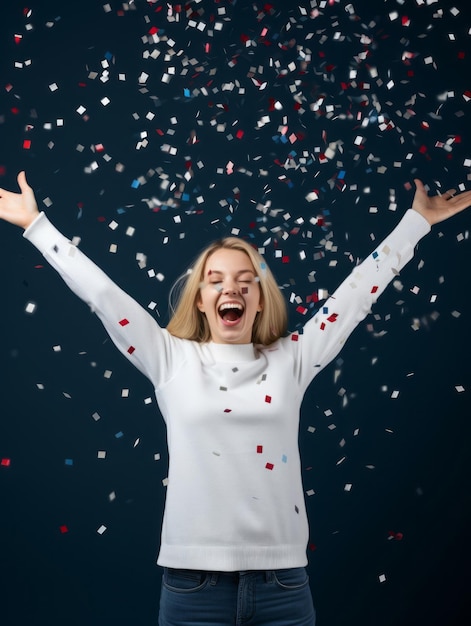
(258, 115)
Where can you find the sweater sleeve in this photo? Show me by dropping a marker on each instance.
(132, 329)
(327, 331)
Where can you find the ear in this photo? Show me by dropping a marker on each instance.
(260, 302)
(199, 304)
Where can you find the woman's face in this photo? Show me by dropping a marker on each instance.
(230, 296)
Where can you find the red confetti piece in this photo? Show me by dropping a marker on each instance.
(394, 535)
(131, 349)
(269, 466)
(301, 309)
(294, 337)
(227, 410)
(259, 449)
(333, 317)
(268, 399)
(374, 289)
(5, 462)
(322, 326)
(63, 529)
(27, 144)
(239, 134)
(123, 322)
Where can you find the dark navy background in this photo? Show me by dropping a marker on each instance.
(407, 514)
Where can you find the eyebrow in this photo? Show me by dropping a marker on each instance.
(211, 272)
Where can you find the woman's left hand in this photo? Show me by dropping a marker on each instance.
(438, 208)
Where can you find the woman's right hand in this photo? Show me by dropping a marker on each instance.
(19, 208)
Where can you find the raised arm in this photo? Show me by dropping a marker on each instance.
(325, 334)
(133, 330)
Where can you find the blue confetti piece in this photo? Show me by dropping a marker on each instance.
(325, 310)
(69, 462)
(284, 458)
(186, 92)
(375, 255)
(119, 435)
(135, 184)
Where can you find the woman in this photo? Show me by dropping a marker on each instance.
(229, 385)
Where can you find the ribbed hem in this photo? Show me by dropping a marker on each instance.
(227, 559)
(42, 234)
(417, 225)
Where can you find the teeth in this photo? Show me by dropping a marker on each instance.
(231, 305)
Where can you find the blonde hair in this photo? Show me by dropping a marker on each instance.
(187, 321)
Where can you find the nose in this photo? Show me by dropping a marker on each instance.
(230, 287)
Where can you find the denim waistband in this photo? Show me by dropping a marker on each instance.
(214, 577)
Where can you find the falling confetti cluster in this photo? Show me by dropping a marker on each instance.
(295, 125)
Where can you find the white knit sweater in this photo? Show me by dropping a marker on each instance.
(235, 499)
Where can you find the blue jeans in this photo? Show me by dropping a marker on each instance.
(251, 598)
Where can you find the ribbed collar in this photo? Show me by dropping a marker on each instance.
(232, 353)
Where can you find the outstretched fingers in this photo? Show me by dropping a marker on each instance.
(460, 202)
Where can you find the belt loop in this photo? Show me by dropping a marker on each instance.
(214, 578)
(269, 575)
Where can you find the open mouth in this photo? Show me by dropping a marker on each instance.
(231, 311)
